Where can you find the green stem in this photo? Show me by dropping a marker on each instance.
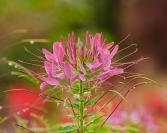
(81, 109)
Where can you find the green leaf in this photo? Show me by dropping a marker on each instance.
(90, 102)
(75, 88)
(70, 128)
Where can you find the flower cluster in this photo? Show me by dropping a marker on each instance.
(140, 116)
(73, 60)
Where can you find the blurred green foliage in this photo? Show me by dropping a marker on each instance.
(51, 19)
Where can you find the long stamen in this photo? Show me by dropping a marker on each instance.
(127, 55)
(37, 61)
(141, 59)
(123, 40)
(132, 45)
(37, 56)
(29, 63)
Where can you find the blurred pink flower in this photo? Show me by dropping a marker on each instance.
(140, 116)
(119, 118)
(78, 61)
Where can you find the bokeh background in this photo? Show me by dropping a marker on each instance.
(144, 20)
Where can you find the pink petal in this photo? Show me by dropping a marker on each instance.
(82, 77)
(107, 74)
(74, 55)
(54, 68)
(67, 70)
(81, 48)
(87, 41)
(48, 55)
(73, 46)
(104, 75)
(82, 68)
(98, 39)
(58, 51)
(114, 51)
(97, 64)
(60, 75)
(92, 67)
(71, 50)
(91, 42)
(73, 39)
(116, 71)
(51, 81)
(105, 52)
(48, 68)
(42, 85)
(106, 61)
(96, 43)
(86, 46)
(69, 54)
(74, 78)
(109, 45)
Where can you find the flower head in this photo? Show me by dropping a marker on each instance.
(73, 61)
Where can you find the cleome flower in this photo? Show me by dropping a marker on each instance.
(72, 61)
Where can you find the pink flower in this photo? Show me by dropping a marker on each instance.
(144, 117)
(79, 61)
(58, 52)
(140, 116)
(118, 119)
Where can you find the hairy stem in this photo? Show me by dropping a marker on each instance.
(81, 108)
